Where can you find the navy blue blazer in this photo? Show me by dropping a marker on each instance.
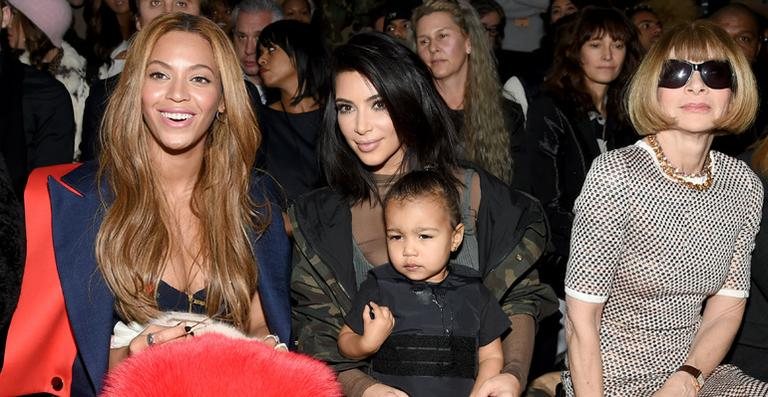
(77, 216)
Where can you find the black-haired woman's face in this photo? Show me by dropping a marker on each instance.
(366, 125)
(561, 8)
(276, 69)
(118, 6)
(601, 59)
(297, 10)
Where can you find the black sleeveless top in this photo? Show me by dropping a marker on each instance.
(171, 299)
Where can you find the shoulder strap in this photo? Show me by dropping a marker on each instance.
(40, 348)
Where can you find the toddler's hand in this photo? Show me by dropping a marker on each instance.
(378, 323)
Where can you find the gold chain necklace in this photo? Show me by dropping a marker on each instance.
(677, 176)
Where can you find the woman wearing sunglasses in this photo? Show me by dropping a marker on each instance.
(665, 227)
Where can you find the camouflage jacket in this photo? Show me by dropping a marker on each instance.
(511, 233)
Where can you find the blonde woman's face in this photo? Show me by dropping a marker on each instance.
(181, 93)
(442, 45)
(694, 107)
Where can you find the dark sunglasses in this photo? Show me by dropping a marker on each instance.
(717, 75)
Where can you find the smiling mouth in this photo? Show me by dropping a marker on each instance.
(176, 116)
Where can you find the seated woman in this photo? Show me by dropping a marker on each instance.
(384, 118)
(452, 42)
(293, 61)
(665, 227)
(171, 218)
(578, 116)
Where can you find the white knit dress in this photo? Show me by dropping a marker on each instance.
(652, 250)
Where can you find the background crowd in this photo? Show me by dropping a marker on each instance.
(512, 100)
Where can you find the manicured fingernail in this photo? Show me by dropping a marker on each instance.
(187, 329)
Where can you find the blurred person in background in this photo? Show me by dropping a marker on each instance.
(649, 27)
(36, 32)
(452, 42)
(249, 18)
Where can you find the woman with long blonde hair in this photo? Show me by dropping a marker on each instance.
(452, 41)
(171, 219)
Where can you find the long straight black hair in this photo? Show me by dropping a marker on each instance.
(421, 118)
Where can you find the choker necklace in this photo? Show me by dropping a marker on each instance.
(679, 176)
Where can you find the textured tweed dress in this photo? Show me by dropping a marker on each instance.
(652, 250)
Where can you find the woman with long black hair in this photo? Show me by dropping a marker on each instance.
(384, 118)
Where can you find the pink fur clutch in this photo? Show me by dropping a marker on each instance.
(217, 365)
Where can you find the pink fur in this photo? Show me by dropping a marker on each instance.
(216, 365)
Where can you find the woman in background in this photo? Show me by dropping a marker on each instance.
(452, 42)
(36, 31)
(577, 117)
(293, 60)
(110, 24)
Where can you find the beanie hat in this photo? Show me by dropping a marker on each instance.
(53, 17)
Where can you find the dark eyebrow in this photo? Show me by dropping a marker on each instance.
(167, 66)
(369, 99)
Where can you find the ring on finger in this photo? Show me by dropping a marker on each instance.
(275, 337)
(150, 339)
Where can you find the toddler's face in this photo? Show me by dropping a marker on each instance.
(420, 237)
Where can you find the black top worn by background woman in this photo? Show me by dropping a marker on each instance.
(556, 152)
(287, 150)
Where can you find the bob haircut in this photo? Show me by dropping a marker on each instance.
(136, 235)
(306, 49)
(421, 119)
(566, 80)
(697, 41)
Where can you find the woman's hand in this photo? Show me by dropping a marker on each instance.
(679, 384)
(150, 336)
(382, 390)
(157, 335)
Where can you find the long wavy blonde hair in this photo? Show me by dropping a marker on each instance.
(134, 239)
(484, 132)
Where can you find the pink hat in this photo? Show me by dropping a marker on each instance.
(53, 17)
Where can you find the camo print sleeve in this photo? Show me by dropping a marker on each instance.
(319, 305)
(515, 282)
